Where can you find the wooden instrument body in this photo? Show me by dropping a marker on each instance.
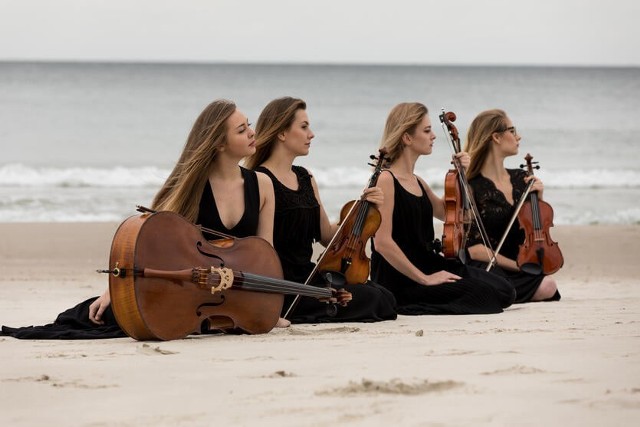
(456, 221)
(347, 254)
(167, 309)
(538, 252)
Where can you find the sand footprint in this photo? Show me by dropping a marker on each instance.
(518, 369)
(153, 351)
(394, 386)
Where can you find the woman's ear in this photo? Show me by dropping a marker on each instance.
(406, 138)
(281, 137)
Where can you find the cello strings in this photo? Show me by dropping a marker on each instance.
(255, 279)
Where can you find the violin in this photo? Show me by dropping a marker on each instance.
(166, 279)
(359, 220)
(538, 253)
(457, 217)
(460, 207)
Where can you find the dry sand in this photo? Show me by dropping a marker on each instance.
(570, 363)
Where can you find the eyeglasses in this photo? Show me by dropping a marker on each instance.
(511, 129)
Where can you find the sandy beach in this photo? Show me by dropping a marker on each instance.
(570, 363)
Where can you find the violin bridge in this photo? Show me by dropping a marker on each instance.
(226, 279)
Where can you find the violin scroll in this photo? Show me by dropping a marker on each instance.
(529, 164)
(447, 119)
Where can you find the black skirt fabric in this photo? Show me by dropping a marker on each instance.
(524, 284)
(72, 324)
(371, 303)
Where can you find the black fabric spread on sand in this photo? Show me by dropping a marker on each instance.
(296, 227)
(72, 324)
(478, 292)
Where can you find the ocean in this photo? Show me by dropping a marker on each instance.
(90, 141)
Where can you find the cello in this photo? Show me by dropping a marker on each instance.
(538, 252)
(344, 261)
(166, 279)
(460, 207)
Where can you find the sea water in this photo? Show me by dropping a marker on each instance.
(90, 141)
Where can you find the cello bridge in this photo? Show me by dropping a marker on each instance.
(219, 278)
(225, 276)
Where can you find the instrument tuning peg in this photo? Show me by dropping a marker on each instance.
(372, 157)
(371, 164)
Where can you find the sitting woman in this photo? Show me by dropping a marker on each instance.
(283, 133)
(405, 256)
(491, 139)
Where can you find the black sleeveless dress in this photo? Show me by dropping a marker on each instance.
(296, 227)
(478, 292)
(209, 216)
(496, 212)
(74, 323)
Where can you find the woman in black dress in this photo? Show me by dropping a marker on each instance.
(283, 133)
(497, 190)
(208, 187)
(405, 257)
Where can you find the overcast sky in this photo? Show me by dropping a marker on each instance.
(504, 32)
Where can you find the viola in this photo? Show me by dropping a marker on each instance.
(538, 252)
(359, 220)
(166, 279)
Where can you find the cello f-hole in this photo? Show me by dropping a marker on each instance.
(199, 248)
(210, 304)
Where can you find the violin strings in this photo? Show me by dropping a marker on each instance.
(535, 213)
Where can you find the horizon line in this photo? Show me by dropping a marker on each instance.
(308, 63)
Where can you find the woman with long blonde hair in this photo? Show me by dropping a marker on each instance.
(490, 140)
(283, 133)
(405, 255)
(208, 187)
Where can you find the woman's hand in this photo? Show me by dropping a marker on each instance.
(537, 186)
(464, 159)
(373, 195)
(97, 308)
(440, 277)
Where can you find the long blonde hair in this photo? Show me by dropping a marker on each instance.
(403, 118)
(183, 188)
(479, 138)
(275, 118)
